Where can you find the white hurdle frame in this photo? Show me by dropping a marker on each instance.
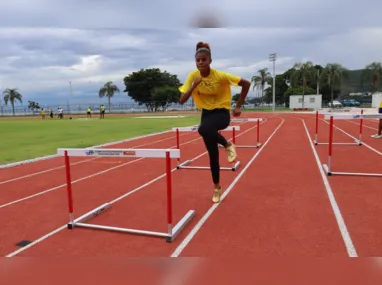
(243, 120)
(185, 164)
(357, 142)
(172, 232)
(327, 167)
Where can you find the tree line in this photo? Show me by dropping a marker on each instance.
(156, 89)
(305, 78)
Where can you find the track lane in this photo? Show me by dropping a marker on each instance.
(358, 197)
(151, 197)
(284, 214)
(22, 189)
(51, 164)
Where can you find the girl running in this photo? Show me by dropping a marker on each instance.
(211, 92)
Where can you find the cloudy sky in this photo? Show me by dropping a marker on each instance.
(45, 44)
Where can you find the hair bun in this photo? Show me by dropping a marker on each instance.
(202, 45)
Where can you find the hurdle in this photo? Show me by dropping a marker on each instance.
(357, 142)
(243, 120)
(172, 232)
(185, 164)
(327, 167)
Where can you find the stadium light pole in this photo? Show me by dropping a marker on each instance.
(272, 57)
(70, 93)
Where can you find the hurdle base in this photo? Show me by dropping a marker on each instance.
(244, 146)
(258, 145)
(330, 173)
(180, 226)
(170, 237)
(326, 169)
(89, 215)
(356, 141)
(184, 166)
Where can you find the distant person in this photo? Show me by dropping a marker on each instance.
(43, 113)
(211, 91)
(51, 113)
(102, 112)
(60, 112)
(379, 135)
(89, 112)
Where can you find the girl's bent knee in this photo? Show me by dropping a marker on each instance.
(203, 131)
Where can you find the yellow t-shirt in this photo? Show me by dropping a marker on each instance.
(380, 104)
(214, 91)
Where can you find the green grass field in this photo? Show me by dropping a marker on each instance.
(26, 138)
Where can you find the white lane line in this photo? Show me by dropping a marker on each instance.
(121, 197)
(198, 226)
(44, 171)
(36, 241)
(365, 126)
(341, 130)
(79, 162)
(354, 138)
(337, 213)
(78, 180)
(101, 172)
(63, 185)
(13, 164)
(63, 227)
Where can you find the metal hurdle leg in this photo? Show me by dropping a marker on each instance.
(186, 164)
(356, 141)
(242, 120)
(171, 233)
(327, 167)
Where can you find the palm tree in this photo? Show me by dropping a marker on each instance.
(373, 74)
(259, 80)
(108, 90)
(302, 72)
(318, 68)
(12, 95)
(332, 76)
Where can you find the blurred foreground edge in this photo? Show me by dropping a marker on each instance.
(185, 271)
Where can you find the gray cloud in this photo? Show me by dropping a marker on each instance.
(88, 14)
(46, 45)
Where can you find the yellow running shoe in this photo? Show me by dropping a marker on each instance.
(217, 194)
(231, 151)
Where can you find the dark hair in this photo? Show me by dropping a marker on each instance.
(203, 47)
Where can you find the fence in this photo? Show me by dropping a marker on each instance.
(122, 108)
(81, 109)
(115, 108)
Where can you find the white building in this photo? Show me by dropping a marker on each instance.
(377, 97)
(310, 101)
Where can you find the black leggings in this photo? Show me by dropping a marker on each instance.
(211, 122)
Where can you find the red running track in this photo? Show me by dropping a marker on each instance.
(359, 198)
(41, 214)
(143, 209)
(279, 206)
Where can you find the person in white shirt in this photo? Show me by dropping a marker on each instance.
(379, 134)
(60, 112)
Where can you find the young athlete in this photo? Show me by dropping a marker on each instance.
(102, 112)
(379, 135)
(211, 92)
